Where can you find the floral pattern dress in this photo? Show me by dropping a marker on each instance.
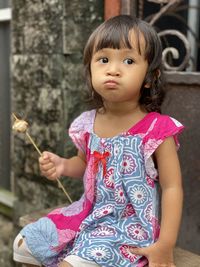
(120, 206)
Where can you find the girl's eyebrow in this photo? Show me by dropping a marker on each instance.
(105, 49)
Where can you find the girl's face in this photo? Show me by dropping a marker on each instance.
(118, 74)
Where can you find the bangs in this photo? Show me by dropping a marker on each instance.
(124, 32)
(117, 37)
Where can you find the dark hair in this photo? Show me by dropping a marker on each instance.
(114, 33)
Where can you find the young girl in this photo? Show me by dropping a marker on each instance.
(126, 148)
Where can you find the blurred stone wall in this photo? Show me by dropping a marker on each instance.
(182, 102)
(48, 37)
(6, 239)
(48, 89)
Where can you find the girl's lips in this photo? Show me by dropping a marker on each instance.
(111, 83)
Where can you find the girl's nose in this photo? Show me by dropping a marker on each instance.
(113, 70)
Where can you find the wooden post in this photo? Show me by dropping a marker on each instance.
(111, 8)
(128, 7)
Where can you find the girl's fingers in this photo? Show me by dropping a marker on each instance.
(46, 167)
(46, 155)
(49, 171)
(146, 252)
(153, 264)
(44, 161)
(50, 174)
(139, 251)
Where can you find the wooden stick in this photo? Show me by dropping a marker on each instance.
(40, 153)
(15, 117)
(34, 144)
(64, 190)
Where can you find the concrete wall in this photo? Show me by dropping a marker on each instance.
(48, 38)
(182, 102)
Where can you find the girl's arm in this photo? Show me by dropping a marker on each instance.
(172, 192)
(75, 166)
(161, 252)
(52, 166)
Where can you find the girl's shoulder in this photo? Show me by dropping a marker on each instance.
(80, 127)
(155, 121)
(84, 122)
(160, 126)
(164, 123)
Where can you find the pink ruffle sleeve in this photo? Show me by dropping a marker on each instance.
(80, 127)
(162, 127)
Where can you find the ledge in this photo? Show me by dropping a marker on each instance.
(182, 77)
(184, 258)
(7, 200)
(29, 218)
(7, 197)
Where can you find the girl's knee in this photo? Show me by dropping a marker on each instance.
(65, 264)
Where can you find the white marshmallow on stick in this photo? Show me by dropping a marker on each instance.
(21, 126)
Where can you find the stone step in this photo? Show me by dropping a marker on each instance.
(183, 258)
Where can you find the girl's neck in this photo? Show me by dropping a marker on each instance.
(122, 109)
(115, 119)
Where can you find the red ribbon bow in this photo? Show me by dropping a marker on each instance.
(100, 158)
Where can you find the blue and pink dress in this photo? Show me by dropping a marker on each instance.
(120, 205)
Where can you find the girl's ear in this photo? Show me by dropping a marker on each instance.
(158, 73)
(148, 80)
(147, 85)
(151, 77)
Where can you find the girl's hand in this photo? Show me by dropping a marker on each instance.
(158, 254)
(51, 165)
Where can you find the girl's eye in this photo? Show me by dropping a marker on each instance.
(103, 60)
(128, 61)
